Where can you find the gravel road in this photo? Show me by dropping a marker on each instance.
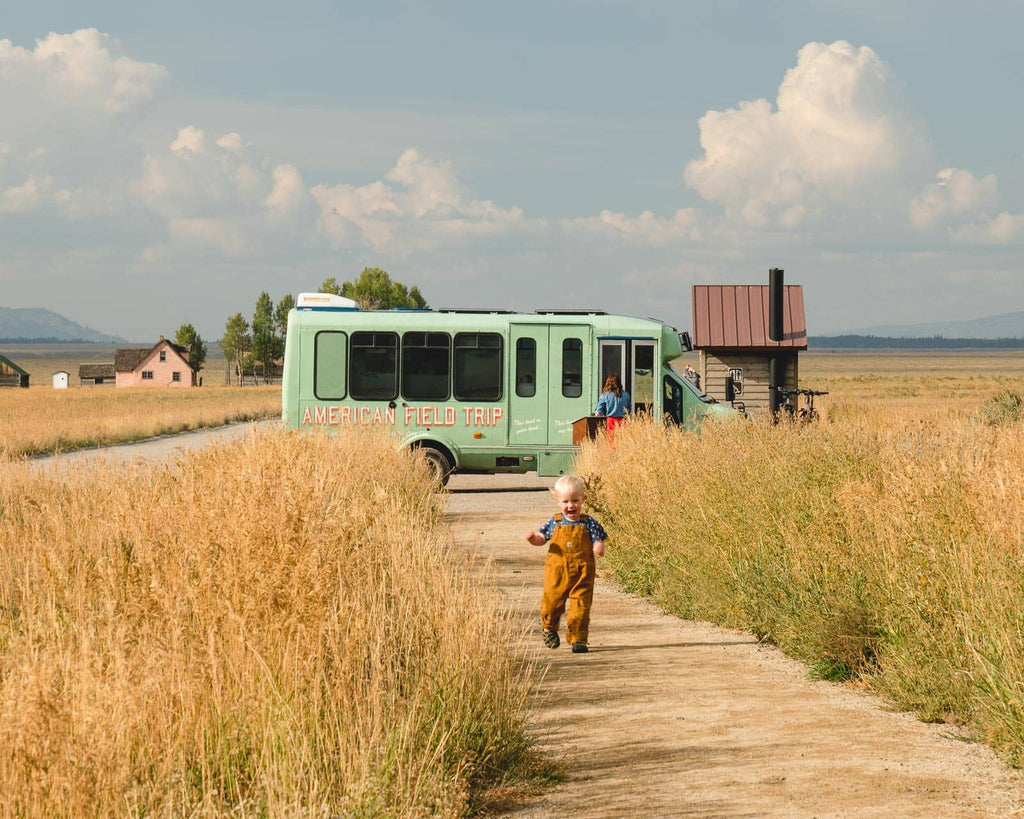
(671, 718)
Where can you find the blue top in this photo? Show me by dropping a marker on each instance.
(596, 530)
(612, 405)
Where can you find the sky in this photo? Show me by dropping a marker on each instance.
(167, 164)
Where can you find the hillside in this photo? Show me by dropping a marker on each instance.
(1005, 325)
(39, 324)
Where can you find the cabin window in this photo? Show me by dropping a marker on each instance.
(478, 366)
(176, 376)
(526, 367)
(426, 366)
(330, 348)
(572, 367)
(147, 375)
(373, 369)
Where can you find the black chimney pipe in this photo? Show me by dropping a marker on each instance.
(775, 293)
(776, 364)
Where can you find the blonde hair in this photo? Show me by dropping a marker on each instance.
(569, 483)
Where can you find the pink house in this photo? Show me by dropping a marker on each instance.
(163, 365)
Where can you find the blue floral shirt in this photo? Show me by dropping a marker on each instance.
(596, 530)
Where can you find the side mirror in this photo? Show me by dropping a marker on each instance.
(684, 342)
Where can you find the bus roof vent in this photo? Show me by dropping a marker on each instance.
(324, 301)
(571, 311)
(475, 310)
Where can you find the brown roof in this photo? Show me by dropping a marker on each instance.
(736, 316)
(104, 370)
(127, 359)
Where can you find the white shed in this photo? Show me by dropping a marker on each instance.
(60, 380)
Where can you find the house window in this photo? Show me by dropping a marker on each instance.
(147, 375)
(176, 376)
(163, 355)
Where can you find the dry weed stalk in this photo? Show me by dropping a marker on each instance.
(891, 552)
(265, 628)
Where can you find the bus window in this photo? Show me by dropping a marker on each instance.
(329, 366)
(478, 367)
(373, 366)
(526, 367)
(572, 367)
(426, 366)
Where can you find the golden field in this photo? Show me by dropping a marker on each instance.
(882, 545)
(267, 628)
(42, 419)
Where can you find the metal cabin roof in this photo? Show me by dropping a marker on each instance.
(735, 316)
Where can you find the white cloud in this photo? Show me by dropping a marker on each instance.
(956, 196)
(840, 141)
(425, 204)
(81, 67)
(1004, 229)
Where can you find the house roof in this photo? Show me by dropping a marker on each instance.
(103, 370)
(128, 359)
(7, 364)
(735, 316)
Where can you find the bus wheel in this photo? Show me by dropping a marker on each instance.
(438, 464)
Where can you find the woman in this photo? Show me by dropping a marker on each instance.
(613, 403)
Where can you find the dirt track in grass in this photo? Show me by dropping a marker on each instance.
(672, 718)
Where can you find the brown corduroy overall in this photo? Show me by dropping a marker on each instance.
(568, 575)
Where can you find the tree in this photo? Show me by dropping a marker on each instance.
(374, 290)
(267, 347)
(330, 286)
(281, 314)
(188, 337)
(236, 342)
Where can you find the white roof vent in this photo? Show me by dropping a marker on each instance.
(325, 300)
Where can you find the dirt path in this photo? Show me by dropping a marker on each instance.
(672, 718)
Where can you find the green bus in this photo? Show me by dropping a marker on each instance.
(482, 391)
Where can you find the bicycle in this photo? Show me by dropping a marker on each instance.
(790, 404)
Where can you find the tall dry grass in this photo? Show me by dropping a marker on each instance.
(892, 553)
(267, 628)
(41, 420)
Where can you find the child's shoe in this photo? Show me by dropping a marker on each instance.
(579, 648)
(551, 639)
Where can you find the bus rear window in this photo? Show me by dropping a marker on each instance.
(478, 367)
(373, 366)
(329, 365)
(426, 366)
(526, 367)
(572, 368)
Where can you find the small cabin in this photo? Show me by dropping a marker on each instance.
(165, 364)
(736, 354)
(60, 379)
(96, 375)
(11, 375)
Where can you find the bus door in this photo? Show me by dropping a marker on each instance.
(527, 393)
(570, 393)
(633, 360)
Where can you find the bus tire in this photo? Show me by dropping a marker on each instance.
(438, 464)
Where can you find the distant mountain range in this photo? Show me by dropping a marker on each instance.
(1006, 325)
(38, 324)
